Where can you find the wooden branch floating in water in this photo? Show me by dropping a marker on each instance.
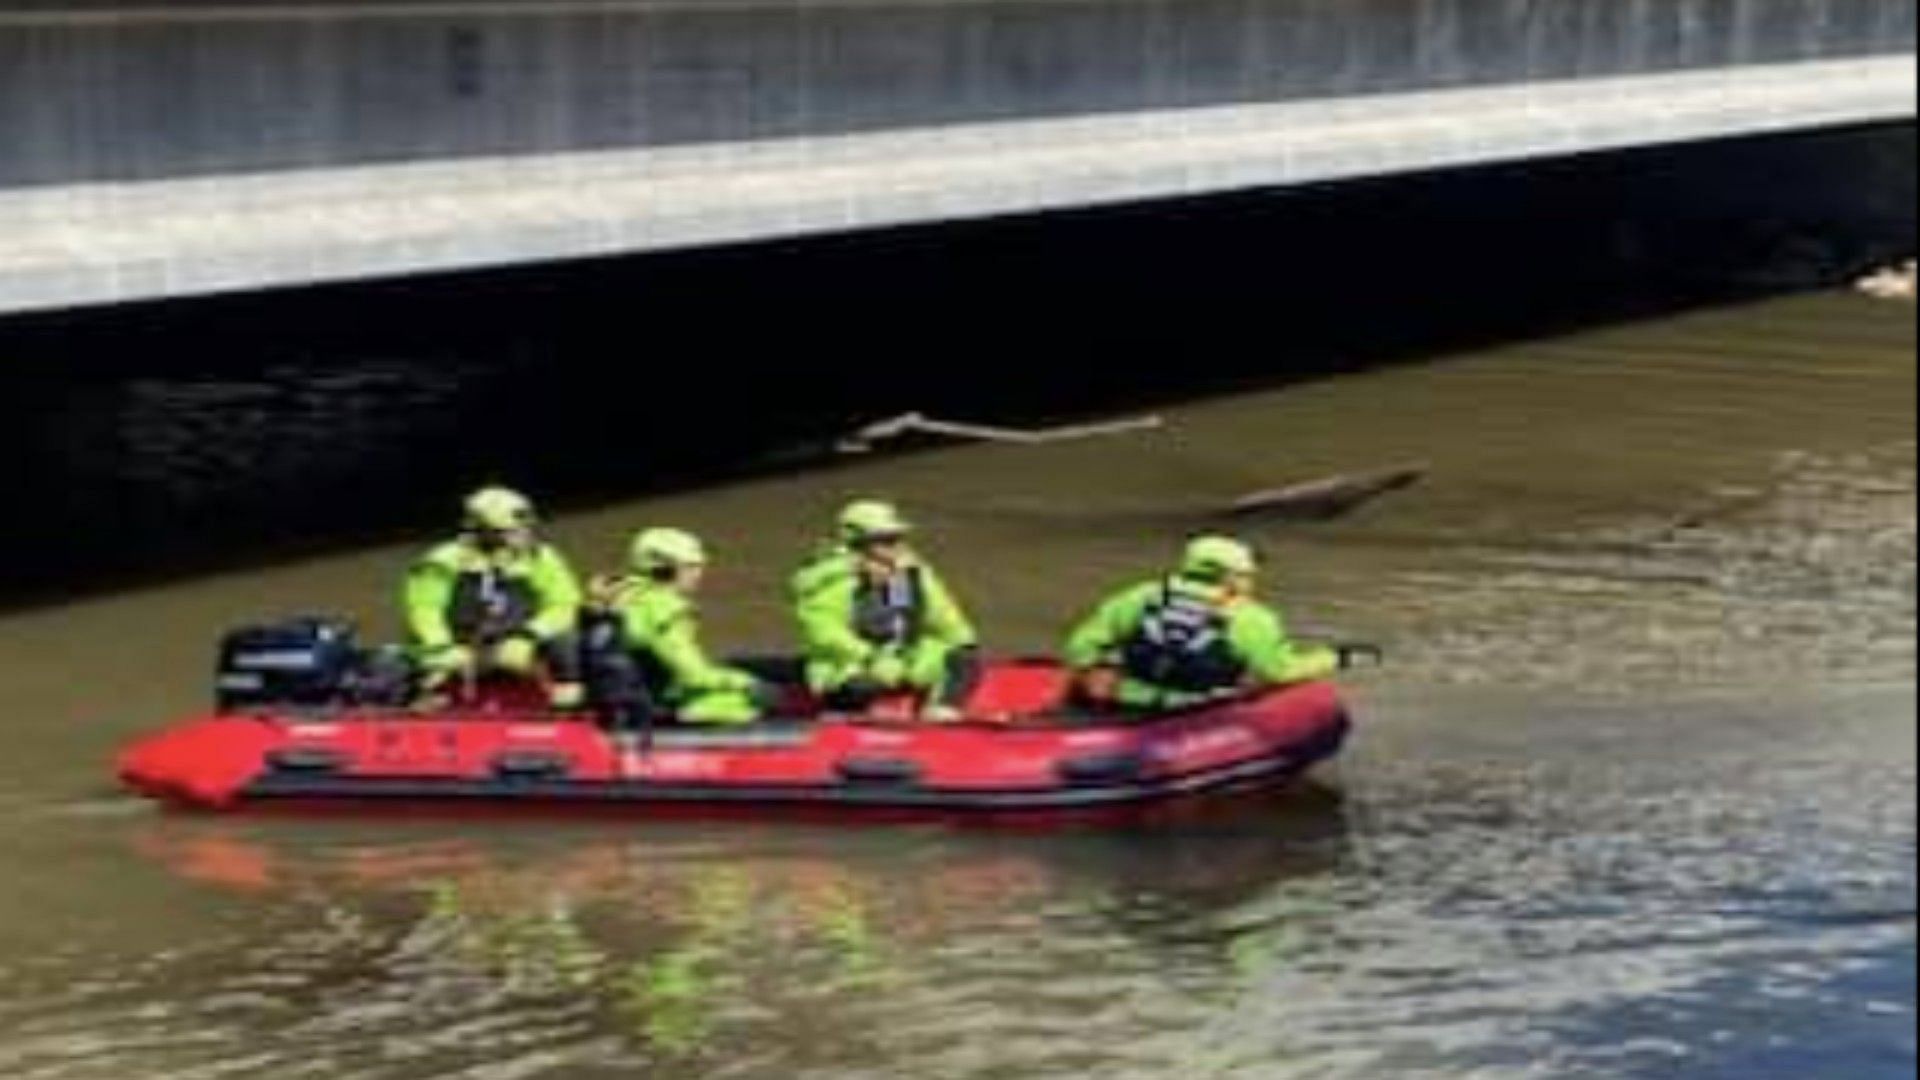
(1324, 500)
(864, 440)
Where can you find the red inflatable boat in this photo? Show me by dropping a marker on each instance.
(1017, 753)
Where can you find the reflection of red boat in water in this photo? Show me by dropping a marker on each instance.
(1016, 754)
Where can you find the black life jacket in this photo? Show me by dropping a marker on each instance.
(627, 681)
(491, 604)
(893, 612)
(1184, 644)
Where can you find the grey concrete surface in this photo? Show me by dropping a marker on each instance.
(111, 242)
(94, 91)
(390, 136)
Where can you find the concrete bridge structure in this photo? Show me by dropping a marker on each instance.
(156, 149)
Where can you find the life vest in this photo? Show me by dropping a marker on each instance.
(626, 682)
(1184, 644)
(892, 612)
(491, 601)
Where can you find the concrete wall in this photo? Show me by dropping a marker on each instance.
(130, 91)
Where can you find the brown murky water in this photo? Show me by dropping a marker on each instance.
(1635, 798)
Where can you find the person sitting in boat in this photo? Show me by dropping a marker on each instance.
(878, 622)
(497, 601)
(1197, 635)
(660, 624)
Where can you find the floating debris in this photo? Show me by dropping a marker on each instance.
(867, 438)
(1901, 282)
(1329, 498)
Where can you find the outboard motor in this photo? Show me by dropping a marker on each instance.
(309, 662)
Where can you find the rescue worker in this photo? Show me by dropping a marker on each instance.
(877, 621)
(496, 601)
(1197, 635)
(661, 625)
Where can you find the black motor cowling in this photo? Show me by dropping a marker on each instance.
(309, 662)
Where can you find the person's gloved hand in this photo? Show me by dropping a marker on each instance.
(443, 665)
(519, 655)
(605, 590)
(567, 696)
(889, 670)
(449, 660)
(1101, 685)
